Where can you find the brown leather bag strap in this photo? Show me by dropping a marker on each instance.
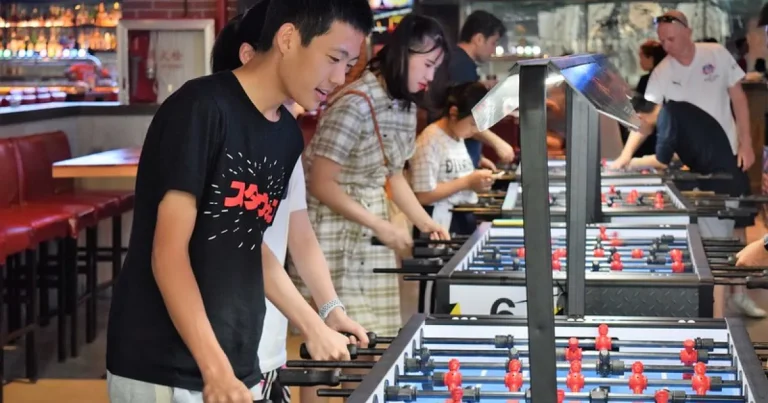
(373, 117)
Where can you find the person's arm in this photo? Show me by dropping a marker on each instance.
(654, 92)
(309, 260)
(734, 76)
(505, 151)
(338, 132)
(403, 196)
(741, 111)
(172, 270)
(188, 146)
(283, 294)
(303, 245)
(647, 161)
(322, 342)
(443, 190)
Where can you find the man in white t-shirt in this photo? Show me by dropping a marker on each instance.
(703, 74)
(706, 76)
(292, 231)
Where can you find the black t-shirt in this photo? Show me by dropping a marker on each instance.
(463, 69)
(207, 139)
(701, 143)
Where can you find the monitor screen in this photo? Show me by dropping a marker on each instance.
(593, 76)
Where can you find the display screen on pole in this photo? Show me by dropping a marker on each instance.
(592, 76)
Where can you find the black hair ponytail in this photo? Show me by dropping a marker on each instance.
(464, 97)
(243, 28)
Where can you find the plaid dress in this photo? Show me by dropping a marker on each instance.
(345, 135)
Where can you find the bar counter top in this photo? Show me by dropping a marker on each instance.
(54, 110)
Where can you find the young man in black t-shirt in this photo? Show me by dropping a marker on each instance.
(188, 308)
(698, 140)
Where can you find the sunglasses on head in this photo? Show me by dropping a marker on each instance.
(669, 19)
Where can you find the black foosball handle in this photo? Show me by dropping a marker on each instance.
(426, 241)
(373, 340)
(735, 213)
(757, 283)
(304, 352)
(309, 377)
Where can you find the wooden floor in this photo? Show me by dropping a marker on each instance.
(77, 381)
(86, 390)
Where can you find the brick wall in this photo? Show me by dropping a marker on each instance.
(141, 9)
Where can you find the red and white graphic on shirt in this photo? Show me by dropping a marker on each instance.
(248, 200)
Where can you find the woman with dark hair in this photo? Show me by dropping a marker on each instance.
(232, 48)
(650, 55)
(355, 170)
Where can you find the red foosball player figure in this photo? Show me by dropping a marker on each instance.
(560, 396)
(617, 265)
(700, 381)
(637, 381)
(678, 267)
(457, 396)
(513, 381)
(452, 378)
(602, 341)
(556, 265)
(575, 379)
(573, 352)
(676, 255)
(661, 396)
(688, 355)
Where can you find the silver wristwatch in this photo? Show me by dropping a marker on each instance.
(329, 306)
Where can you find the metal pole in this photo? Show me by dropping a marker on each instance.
(536, 226)
(577, 131)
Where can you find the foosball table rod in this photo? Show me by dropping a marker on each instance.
(473, 394)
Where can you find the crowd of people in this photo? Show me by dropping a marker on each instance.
(229, 196)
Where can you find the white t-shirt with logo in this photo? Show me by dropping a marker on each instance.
(439, 158)
(704, 83)
(272, 353)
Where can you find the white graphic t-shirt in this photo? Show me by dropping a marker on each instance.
(272, 353)
(704, 83)
(440, 158)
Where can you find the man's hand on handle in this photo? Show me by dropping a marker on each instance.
(225, 388)
(340, 322)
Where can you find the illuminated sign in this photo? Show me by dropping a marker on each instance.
(387, 4)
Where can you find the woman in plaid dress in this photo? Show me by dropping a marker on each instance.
(362, 143)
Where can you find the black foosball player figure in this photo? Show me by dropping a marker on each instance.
(441, 171)
(687, 132)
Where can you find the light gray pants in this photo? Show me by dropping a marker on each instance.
(125, 390)
(712, 227)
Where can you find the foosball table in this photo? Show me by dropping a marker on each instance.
(556, 170)
(631, 270)
(649, 204)
(457, 359)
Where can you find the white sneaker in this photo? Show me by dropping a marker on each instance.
(747, 306)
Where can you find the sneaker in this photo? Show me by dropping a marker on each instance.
(745, 305)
